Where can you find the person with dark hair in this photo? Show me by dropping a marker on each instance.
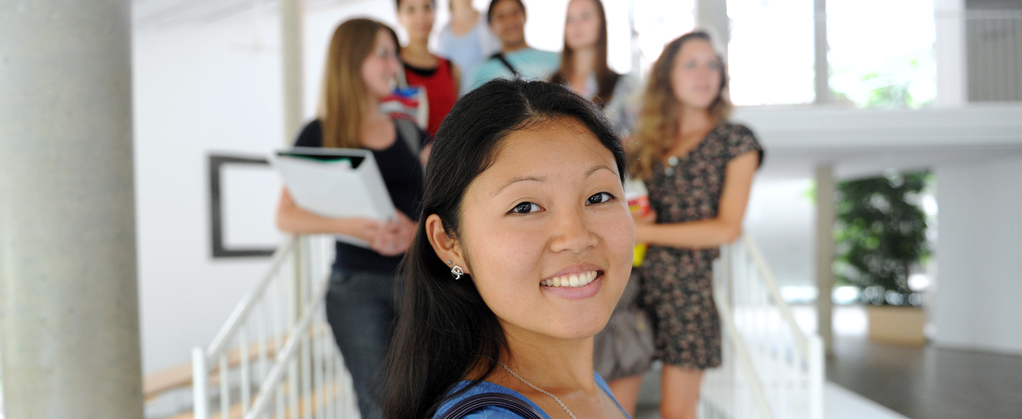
(466, 39)
(361, 66)
(517, 58)
(698, 169)
(624, 349)
(523, 249)
(438, 76)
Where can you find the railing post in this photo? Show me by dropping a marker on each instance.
(816, 373)
(200, 378)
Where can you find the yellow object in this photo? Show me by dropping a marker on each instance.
(640, 253)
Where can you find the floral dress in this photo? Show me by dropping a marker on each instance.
(678, 285)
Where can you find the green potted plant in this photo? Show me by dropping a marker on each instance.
(881, 236)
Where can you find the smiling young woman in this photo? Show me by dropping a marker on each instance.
(524, 249)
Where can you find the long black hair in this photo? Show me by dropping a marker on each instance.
(444, 329)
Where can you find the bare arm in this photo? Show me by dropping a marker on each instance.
(456, 74)
(293, 219)
(711, 232)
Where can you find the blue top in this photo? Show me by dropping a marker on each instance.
(468, 50)
(501, 413)
(530, 63)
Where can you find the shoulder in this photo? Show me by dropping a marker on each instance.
(737, 129)
(542, 56)
(627, 83)
(739, 139)
(486, 70)
(311, 135)
(489, 412)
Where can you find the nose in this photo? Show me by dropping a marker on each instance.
(572, 232)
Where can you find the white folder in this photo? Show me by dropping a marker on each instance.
(336, 182)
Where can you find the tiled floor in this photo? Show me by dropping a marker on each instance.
(881, 381)
(929, 383)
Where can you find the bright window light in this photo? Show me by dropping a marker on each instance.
(770, 55)
(881, 52)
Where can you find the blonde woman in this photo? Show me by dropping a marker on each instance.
(361, 66)
(698, 169)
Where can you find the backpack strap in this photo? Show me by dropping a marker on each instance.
(500, 56)
(476, 402)
(409, 133)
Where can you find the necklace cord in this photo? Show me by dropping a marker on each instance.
(572, 415)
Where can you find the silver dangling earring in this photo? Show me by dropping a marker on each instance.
(457, 272)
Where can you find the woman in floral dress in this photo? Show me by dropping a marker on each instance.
(698, 169)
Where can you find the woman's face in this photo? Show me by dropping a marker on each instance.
(582, 27)
(381, 66)
(416, 16)
(546, 233)
(508, 23)
(696, 74)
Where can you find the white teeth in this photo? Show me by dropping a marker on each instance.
(574, 280)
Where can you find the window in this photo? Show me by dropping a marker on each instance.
(881, 52)
(771, 52)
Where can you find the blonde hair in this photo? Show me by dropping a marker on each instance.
(658, 119)
(343, 105)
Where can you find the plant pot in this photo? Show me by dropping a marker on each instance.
(897, 325)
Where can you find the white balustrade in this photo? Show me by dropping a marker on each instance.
(771, 369)
(275, 357)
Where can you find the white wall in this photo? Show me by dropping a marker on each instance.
(201, 88)
(979, 286)
(196, 90)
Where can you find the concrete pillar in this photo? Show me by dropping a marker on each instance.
(825, 217)
(711, 16)
(68, 291)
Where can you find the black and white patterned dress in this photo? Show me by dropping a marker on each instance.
(678, 286)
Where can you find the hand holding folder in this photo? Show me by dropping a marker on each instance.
(336, 183)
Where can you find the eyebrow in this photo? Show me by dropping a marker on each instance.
(519, 179)
(589, 173)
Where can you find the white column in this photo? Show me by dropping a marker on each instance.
(952, 78)
(825, 217)
(291, 16)
(821, 48)
(711, 16)
(68, 290)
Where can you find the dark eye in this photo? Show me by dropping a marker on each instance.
(524, 208)
(599, 198)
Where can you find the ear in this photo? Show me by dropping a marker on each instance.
(447, 248)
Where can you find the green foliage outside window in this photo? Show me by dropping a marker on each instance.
(881, 235)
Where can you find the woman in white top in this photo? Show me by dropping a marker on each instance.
(466, 39)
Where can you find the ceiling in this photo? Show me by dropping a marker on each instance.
(165, 13)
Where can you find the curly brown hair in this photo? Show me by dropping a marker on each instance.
(658, 119)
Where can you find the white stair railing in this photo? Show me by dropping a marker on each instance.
(275, 356)
(771, 369)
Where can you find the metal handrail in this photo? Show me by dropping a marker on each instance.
(275, 349)
(277, 371)
(232, 325)
(767, 374)
(775, 293)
